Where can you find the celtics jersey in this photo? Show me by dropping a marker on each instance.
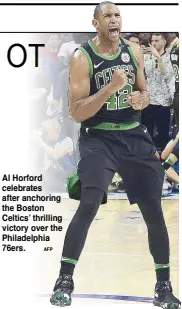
(175, 63)
(116, 109)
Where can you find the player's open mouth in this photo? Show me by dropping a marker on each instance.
(113, 32)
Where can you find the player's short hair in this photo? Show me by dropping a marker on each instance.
(99, 7)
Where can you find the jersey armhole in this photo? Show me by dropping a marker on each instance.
(131, 53)
(89, 61)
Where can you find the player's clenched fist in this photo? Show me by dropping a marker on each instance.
(119, 80)
(135, 100)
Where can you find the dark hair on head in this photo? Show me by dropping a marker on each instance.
(162, 34)
(132, 35)
(99, 7)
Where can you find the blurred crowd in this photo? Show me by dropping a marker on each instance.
(54, 135)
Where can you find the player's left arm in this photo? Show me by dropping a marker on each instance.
(139, 99)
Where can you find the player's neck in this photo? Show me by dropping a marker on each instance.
(106, 47)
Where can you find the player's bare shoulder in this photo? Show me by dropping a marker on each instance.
(79, 62)
(136, 49)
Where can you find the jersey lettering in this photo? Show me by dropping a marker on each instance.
(104, 77)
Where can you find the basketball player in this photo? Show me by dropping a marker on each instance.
(107, 92)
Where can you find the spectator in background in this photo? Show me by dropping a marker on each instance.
(170, 41)
(37, 107)
(64, 37)
(160, 84)
(71, 42)
(174, 55)
(124, 35)
(50, 65)
(133, 37)
(39, 89)
(144, 39)
(170, 156)
(66, 50)
(58, 152)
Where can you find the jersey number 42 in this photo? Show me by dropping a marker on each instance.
(119, 99)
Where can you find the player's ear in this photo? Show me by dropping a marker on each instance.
(95, 23)
(165, 41)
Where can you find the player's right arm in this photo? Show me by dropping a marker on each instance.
(83, 106)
